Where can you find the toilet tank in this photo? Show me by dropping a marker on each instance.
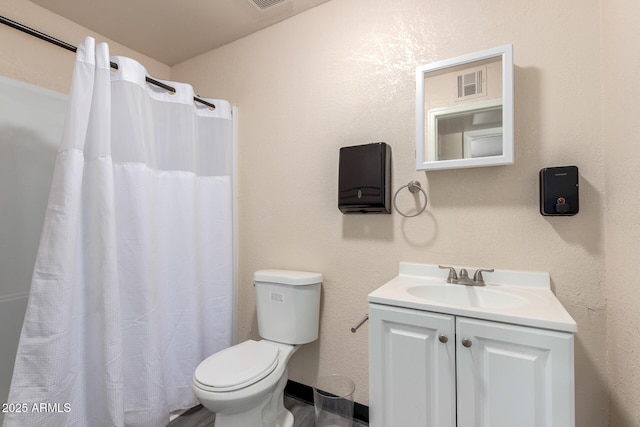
(288, 305)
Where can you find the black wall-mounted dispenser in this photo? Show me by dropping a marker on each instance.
(559, 191)
(364, 179)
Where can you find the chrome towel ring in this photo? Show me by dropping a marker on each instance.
(413, 187)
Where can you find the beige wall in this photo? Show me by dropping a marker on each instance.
(621, 136)
(343, 74)
(26, 58)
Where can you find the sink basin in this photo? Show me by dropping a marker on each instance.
(466, 296)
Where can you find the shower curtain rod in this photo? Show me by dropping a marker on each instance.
(72, 48)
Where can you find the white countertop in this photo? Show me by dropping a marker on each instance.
(536, 305)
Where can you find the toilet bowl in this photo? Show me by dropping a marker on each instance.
(244, 384)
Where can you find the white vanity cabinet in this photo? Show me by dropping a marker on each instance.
(429, 369)
(412, 377)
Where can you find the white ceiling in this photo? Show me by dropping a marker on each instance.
(172, 31)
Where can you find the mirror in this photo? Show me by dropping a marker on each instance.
(464, 111)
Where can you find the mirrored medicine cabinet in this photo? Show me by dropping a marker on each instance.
(464, 111)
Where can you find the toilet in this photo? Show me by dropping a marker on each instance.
(244, 384)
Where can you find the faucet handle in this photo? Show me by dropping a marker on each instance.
(452, 277)
(477, 276)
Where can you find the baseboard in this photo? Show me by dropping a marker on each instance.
(305, 393)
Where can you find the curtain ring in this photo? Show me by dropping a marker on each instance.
(413, 187)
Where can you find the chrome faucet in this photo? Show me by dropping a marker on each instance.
(452, 277)
(477, 276)
(464, 279)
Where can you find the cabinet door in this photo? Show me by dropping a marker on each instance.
(411, 372)
(513, 376)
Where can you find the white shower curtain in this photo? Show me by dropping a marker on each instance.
(132, 286)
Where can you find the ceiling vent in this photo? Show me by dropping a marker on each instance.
(264, 4)
(471, 83)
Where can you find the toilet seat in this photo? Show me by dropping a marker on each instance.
(237, 367)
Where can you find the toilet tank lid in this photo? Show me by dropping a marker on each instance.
(287, 277)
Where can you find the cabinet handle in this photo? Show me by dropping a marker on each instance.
(466, 342)
(443, 338)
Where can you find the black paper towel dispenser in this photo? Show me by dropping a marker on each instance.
(364, 179)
